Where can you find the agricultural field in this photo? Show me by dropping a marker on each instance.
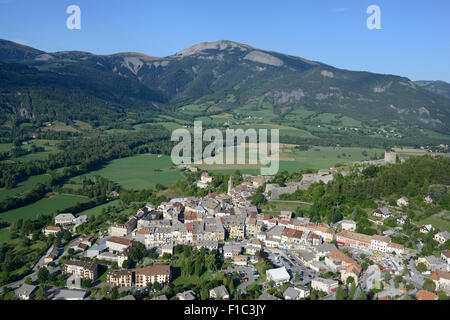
(324, 157)
(138, 172)
(42, 207)
(23, 186)
(5, 147)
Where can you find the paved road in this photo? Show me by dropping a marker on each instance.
(248, 274)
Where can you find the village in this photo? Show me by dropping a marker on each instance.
(301, 259)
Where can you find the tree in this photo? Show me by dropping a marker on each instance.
(41, 294)
(341, 294)
(350, 280)
(421, 267)
(138, 252)
(42, 275)
(429, 285)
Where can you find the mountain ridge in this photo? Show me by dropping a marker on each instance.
(212, 71)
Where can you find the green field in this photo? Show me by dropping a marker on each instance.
(4, 236)
(5, 147)
(323, 157)
(443, 224)
(23, 186)
(42, 207)
(138, 172)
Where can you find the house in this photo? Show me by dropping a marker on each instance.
(187, 295)
(432, 263)
(118, 244)
(253, 247)
(278, 275)
(26, 292)
(95, 251)
(428, 199)
(161, 298)
(379, 243)
(382, 213)
(119, 278)
(240, 260)
(426, 295)
(267, 297)
(395, 248)
(402, 219)
(52, 255)
(51, 230)
(230, 251)
(219, 293)
(152, 274)
(64, 219)
(325, 285)
(84, 270)
(402, 202)
(442, 280)
(426, 229)
(258, 182)
(445, 255)
(122, 230)
(348, 225)
(168, 248)
(296, 293)
(69, 294)
(442, 237)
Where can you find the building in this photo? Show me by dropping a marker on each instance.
(426, 228)
(442, 237)
(122, 230)
(118, 244)
(152, 274)
(187, 295)
(84, 270)
(119, 278)
(390, 157)
(325, 285)
(379, 243)
(382, 213)
(402, 202)
(445, 256)
(441, 280)
(64, 219)
(348, 225)
(219, 293)
(26, 292)
(296, 293)
(51, 230)
(278, 275)
(239, 260)
(353, 239)
(426, 295)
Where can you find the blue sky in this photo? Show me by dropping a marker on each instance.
(414, 40)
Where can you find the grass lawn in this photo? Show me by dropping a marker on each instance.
(42, 207)
(23, 186)
(139, 172)
(5, 236)
(185, 281)
(5, 147)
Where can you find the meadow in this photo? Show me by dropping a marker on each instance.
(42, 207)
(23, 186)
(138, 172)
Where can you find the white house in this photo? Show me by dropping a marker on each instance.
(442, 237)
(64, 219)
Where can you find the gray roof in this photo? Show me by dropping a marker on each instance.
(291, 292)
(25, 290)
(220, 291)
(69, 294)
(326, 247)
(163, 297)
(266, 296)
